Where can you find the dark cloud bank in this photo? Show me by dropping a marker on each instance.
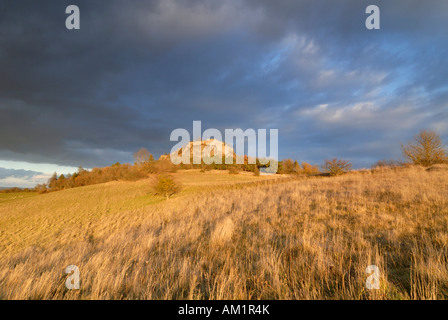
(139, 69)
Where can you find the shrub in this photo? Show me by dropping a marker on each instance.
(233, 170)
(297, 169)
(41, 188)
(438, 167)
(166, 186)
(163, 166)
(206, 167)
(336, 167)
(386, 163)
(287, 166)
(309, 169)
(256, 171)
(16, 189)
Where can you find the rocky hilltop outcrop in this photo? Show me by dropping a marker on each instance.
(212, 147)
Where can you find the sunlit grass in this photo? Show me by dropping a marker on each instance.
(15, 196)
(233, 237)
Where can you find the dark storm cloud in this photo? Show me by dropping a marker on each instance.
(139, 69)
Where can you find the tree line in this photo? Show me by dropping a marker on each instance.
(426, 149)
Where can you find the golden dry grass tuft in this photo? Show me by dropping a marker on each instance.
(223, 232)
(240, 237)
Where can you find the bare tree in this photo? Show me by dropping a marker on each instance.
(142, 156)
(426, 149)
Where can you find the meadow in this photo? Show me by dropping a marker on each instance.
(232, 237)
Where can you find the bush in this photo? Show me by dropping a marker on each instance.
(386, 164)
(287, 166)
(162, 166)
(233, 170)
(438, 167)
(166, 186)
(309, 169)
(256, 171)
(297, 169)
(16, 189)
(337, 167)
(41, 188)
(206, 167)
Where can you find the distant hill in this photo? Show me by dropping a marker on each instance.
(221, 149)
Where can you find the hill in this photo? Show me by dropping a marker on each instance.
(212, 147)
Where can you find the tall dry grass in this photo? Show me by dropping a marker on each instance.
(298, 239)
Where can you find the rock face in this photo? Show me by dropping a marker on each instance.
(210, 147)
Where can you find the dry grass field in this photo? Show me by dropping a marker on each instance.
(232, 237)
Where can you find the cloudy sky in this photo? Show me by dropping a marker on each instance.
(136, 70)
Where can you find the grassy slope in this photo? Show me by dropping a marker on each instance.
(4, 197)
(69, 215)
(309, 238)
